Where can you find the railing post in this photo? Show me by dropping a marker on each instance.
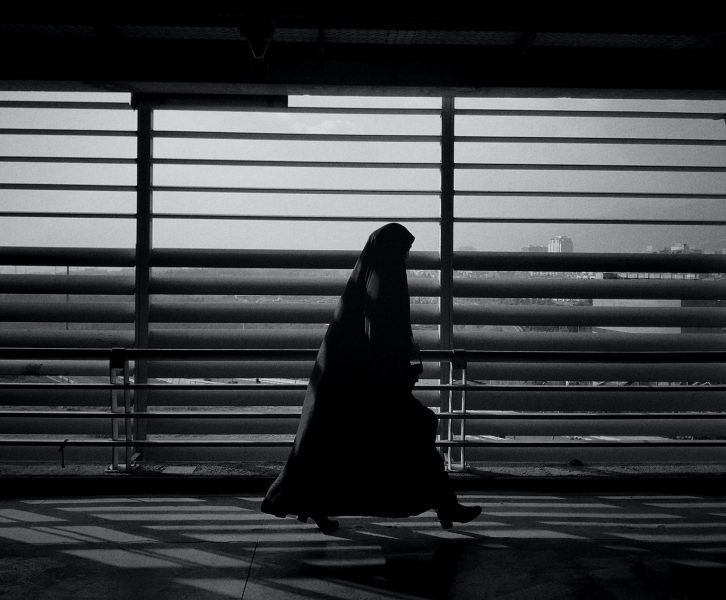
(115, 363)
(446, 269)
(144, 182)
(129, 423)
(462, 429)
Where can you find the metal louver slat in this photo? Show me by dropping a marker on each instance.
(272, 285)
(263, 312)
(589, 316)
(76, 312)
(274, 259)
(590, 288)
(587, 262)
(67, 284)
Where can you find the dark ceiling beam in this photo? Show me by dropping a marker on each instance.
(590, 17)
(230, 67)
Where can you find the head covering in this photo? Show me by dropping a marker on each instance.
(373, 314)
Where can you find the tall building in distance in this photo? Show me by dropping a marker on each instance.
(560, 243)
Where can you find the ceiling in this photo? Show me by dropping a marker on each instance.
(600, 53)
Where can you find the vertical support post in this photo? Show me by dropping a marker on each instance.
(114, 365)
(450, 421)
(114, 421)
(446, 331)
(144, 184)
(128, 422)
(446, 272)
(462, 430)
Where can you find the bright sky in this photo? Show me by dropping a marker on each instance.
(22, 231)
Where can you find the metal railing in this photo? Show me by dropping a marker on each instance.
(457, 415)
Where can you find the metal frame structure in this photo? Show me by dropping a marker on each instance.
(456, 369)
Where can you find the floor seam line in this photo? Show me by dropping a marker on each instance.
(249, 570)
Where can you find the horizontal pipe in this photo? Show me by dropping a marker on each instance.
(264, 367)
(282, 354)
(67, 284)
(608, 389)
(67, 338)
(277, 191)
(188, 337)
(604, 195)
(586, 221)
(284, 137)
(272, 285)
(29, 387)
(617, 455)
(552, 287)
(590, 443)
(616, 114)
(106, 414)
(537, 357)
(75, 312)
(81, 363)
(287, 440)
(581, 392)
(540, 167)
(570, 398)
(202, 386)
(303, 218)
(215, 162)
(276, 413)
(72, 257)
(256, 338)
(581, 416)
(589, 316)
(704, 425)
(274, 259)
(589, 262)
(174, 442)
(635, 428)
(646, 370)
(516, 139)
(588, 342)
(345, 110)
(67, 187)
(68, 132)
(258, 312)
(610, 398)
(64, 215)
(73, 105)
(71, 160)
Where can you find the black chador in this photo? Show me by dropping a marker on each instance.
(365, 444)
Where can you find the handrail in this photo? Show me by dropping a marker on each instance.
(120, 386)
(275, 354)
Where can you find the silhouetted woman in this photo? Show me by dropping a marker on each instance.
(364, 444)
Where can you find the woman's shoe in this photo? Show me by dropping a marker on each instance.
(325, 524)
(459, 514)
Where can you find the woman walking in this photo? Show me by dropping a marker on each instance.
(359, 415)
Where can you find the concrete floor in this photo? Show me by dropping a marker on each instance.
(524, 545)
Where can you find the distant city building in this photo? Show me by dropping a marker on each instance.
(560, 243)
(680, 248)
(534, 249)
